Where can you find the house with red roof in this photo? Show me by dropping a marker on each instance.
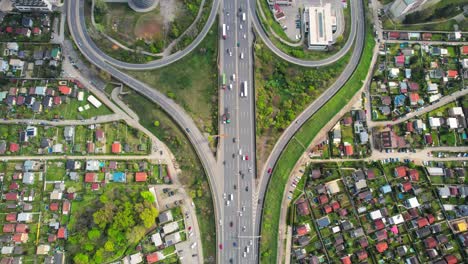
(9, 29)
(323, 199)
(426, 36)
(95, 187)
(430, 242)
(62, 233)
(413, 174)
(422, 222)
(14, 147)
(414, 98)
(400, 60)
(464, 50)
(90, 147)
(393, 35)
(379, 224)
(381, 246)
(54, 207)
(141, 176)
(52, 238)
(381, 235)
(91, 177)
(335, 205)
(400, 171)
(152, 258)
(346, 260)
(21, 228)
(452, 74)
(13, 186)
(99, 135)
(361, 255)
(451, 259)
(8, 228)
(303, 230)
(57, 100)
(430, 218)
(406, 186)
(409, 127)
(327, 209)
(413, 86)
(19, 238)
(348, 149)
(36, 31)
(428, 139)
(11, 196)
(116, 147)
(65, 90)
(11, 217)
(66, 207)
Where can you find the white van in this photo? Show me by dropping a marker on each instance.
(194, 244)
(231, 197)
(242, 55)
(234, 77)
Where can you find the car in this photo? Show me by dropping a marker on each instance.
(234, 77)
(233, 155)
(246, 157)
(231, 261)
(230, 86)
(240, 26)
(234, 244)
(235, 187)
(194, 244)
(221, 246)
(242, 55)
(243, 208)
(227, 203)
(187, 129)
(250, 242)
(194, 255)
(244, 255)
(238, 44)
(189, 228)
(234, 140)
(246, 188)
(231, 224)
(269, 170)
(244, 228)
(245, 36)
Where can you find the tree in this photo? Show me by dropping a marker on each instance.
(109, 246)
(156, 123)
(81, 258)
(147, 196)
(148, 216)
(94, 234)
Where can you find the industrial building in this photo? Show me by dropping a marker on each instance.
(401, 8)
(33, 5)
(319, 23)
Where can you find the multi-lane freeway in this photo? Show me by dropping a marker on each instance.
(238, 145)
(234, 173)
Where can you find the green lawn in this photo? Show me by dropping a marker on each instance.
(192, 176)
(192, 82)
(292, 152)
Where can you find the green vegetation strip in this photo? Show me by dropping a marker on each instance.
(294, 150)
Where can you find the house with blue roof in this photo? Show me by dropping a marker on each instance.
(119, 177)
(41, 90)
(386, 189)
(323, 222)
(399, 100)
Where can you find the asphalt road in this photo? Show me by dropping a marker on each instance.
(238, 145)
(79, 25)
(198, 141)
(357, 11)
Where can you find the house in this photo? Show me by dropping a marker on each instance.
(90, 177)
(381, 246)
(16, 64)
(141, 176)
(43, 250)
(90, 146)
(99, 135)
(172, 239)
(399, 100)
(435, 171)
(405, 186)
(452, 74)
(400, 171)
(25, 217)
(403, 87)
(119, 177)
(66, 207)
(428, 139)
(414, 99)
(19, 238)
(28, 178)
(62, 233)
(156, 239)
(65, 90)
(434, 122)
(11, 217)
(348, 149)
(394, 72)
(55, 53)
(116, 147)
(393, 35)
(413, 174)
(12, 47)
(170, 227)
(430, 242)
(412, 203)
(303, 230)
(452, 122)
(400, 60)
(346, 260)
(11, 196)
(92, 165)
(302, 207)
(451, 259)
(323, 222)
(374, 215)
(69, 133)
(154, 257)
(455, 111)
(165, 217)
(9, 228)
(54, 207)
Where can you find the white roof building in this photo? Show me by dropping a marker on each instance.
(374, 215)
(136, 258)
(172, 239)
(434, 122)
(92, 165)
(434, 97)
(435, 171)
(156, 238)
(412, 202)
(432, 87)
(465, 63)
(170, 227)
(396, 219)
(394, 72)
(24, 217)
(94, 101)
(7, 250)
(456, 111)
(333, 187)
(319, 26)
(12, 46)
(452, 123)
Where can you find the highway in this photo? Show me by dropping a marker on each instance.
(313, 107)
(198, 141)
(241, 111)
(238, 146)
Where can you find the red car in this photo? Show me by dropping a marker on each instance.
(269, 170)
(221, 246)
(246, 157)
(189, 228)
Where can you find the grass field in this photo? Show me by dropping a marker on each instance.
(192, 82)
(192, 176)
(293, 151)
